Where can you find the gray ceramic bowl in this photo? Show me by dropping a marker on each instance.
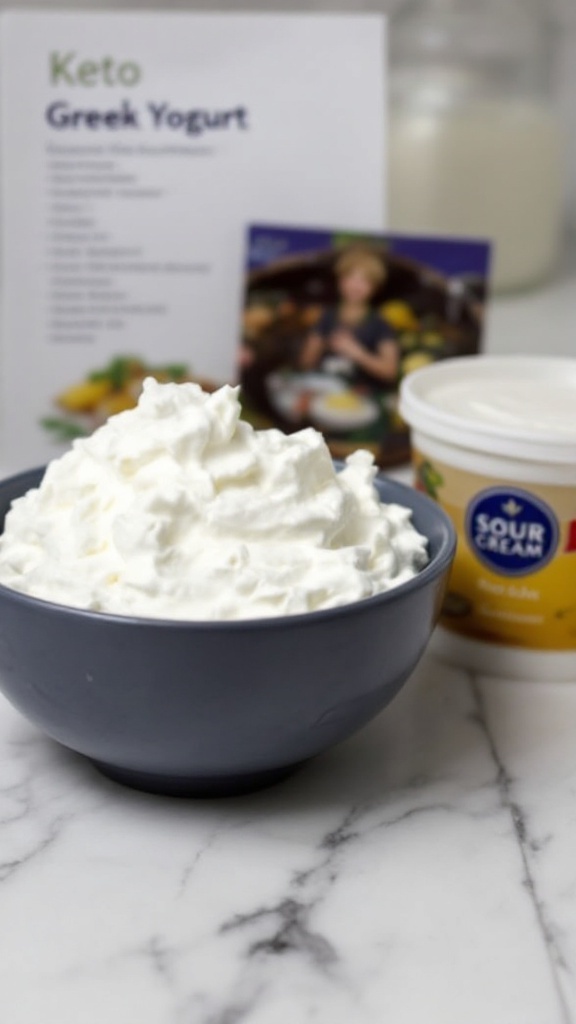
(216, 708)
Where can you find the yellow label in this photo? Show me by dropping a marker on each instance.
(514, 576)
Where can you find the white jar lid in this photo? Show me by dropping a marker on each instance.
(523, 407)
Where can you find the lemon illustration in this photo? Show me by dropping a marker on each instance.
(415, 361)
(399, 315)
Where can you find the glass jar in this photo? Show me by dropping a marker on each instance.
(475, 139)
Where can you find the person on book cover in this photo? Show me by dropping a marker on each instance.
(353, 333)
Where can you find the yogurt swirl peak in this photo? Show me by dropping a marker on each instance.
(180, 510)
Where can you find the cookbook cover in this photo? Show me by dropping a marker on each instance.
(333, 321)
(136, 147)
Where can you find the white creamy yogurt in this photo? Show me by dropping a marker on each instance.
(178, 509)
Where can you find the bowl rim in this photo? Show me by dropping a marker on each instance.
(436, 566)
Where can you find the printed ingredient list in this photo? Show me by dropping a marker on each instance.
(136, 149)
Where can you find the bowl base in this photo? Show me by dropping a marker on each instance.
(199, 786)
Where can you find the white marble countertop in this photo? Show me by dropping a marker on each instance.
(422, 873)
(425, 871)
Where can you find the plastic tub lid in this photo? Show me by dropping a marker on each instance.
(523, 407)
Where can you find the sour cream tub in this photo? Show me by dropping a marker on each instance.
(494, 442)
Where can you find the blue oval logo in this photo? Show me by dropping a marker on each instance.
(511, 531)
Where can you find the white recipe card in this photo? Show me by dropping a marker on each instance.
(136, 147)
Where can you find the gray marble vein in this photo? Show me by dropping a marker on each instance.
(532, 729)
(423, 871)
(526, 847)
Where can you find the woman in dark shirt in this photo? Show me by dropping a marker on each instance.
(353, 330)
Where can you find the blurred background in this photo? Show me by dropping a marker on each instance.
(483, 122)
(549, 59)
